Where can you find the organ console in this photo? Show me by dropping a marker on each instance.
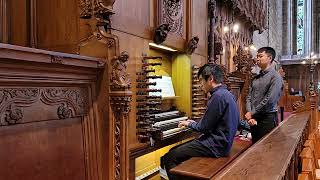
(153, 123)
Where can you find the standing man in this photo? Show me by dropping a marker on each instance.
(264, 93)
(218, 125)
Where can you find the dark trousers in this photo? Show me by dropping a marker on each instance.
(183, 152)
(265, 123)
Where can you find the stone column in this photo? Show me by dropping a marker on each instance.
(287, 34)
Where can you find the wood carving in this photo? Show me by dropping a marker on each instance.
(120, 99)
(172, 13)
(12, 115)
(56, 59)
(85, 9)
(11, 101)
(71, 101)
(119, 76)
(121, 107)
(192, 45)
(64, 111)
(218, 48)
(74, 97)
(243, 61)
(103, 10)
(161, 33)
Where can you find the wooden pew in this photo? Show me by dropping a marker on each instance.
(204, 167)
(276, 156)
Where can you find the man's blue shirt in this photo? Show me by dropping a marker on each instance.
(219, 123)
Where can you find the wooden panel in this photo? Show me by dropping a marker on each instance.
(19, 14)
(136, 10)
(181, 73)
(4, 23)
(199, 21)
(57, 25)
(45, 150)
(198, 60)
(48, 118)
(133, 17)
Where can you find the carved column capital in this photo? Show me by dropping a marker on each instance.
(120, 101)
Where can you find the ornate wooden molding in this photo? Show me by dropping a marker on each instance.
(13, 115)
(71, 101)
(85, 9)
(171, 12)
(192, 45)
(161, 33)
(120, 105)
(101, 9)
(120, 98)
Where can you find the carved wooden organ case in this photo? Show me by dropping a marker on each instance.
(48, 116)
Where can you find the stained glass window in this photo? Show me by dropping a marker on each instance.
(300, 26)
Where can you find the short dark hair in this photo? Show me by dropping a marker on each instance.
(268, 50)
(215, 70)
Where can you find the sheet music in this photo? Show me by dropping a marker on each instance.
(165, 84)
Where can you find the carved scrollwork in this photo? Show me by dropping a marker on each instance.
(76, 98)
(12, 115)
(64, 111)
(192, 45)
(161, 33)
(117, 153)
(121, 106)
(103, 10)
(172, 13)
(119, 76)
(72, 101)
(110, 43)
(85, 9)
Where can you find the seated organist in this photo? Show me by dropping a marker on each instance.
(218, 125)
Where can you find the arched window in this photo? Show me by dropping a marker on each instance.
(300, 26)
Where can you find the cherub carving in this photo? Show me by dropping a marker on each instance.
(192, 45)
(119, 75)
(161, 32)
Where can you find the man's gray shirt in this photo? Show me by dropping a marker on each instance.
(264, 92)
